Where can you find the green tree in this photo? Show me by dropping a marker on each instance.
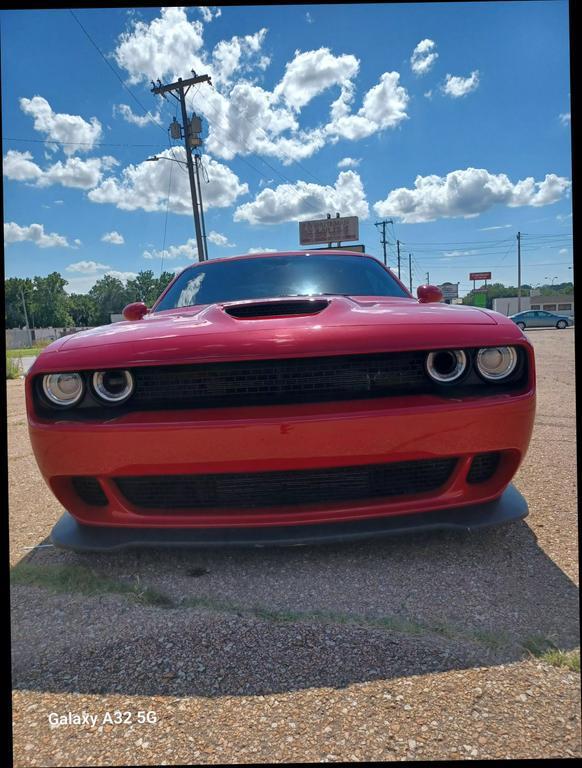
(143, 287)
(49, 302)
(14, 289)
(110, 296)
(82, 309)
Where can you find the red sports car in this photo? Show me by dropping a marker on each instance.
(283, 398)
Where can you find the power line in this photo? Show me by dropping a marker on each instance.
(133, 96)
(76, 143)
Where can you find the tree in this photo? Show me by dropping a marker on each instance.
(14, 289)
(49, 302)
(110, 296)
(143, 287)
(82, 309)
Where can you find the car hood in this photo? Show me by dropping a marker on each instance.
(345, 325)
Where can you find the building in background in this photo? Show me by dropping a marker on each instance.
(562, 304)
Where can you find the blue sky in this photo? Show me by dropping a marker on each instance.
(451, 119)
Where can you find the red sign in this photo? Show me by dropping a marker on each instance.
(480, 276)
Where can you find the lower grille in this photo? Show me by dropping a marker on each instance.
(89, 490)
(273, 489)
(483, 467)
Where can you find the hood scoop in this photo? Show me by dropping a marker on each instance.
(276, 308)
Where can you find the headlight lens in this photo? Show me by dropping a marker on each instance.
(113, 386)
(63, 389)
(495, 363)
(446, 366)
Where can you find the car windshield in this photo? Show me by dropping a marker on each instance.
(270, 277)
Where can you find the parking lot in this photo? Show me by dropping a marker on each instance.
(433, 646)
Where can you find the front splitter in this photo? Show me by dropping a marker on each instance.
(69, 534)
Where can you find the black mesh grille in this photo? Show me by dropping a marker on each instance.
(90, 491)
(280, 381)
(271, 489)
(277, 308)
(483, 467)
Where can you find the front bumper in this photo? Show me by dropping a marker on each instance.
(69, 534)
(277, 438)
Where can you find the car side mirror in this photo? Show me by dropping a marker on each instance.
(428, 293)
(135, 311)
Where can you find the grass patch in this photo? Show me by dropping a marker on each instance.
(568, 659)
(37, 347)
(545, 650)
(13, 367)
(78, 579)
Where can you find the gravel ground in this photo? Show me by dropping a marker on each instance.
(396, 649)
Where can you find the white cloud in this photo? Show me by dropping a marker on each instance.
(563, 217)
(88, 267)
(467, 193)
(565, 118)
(74, 172)
(294, 202)
(383, 106)
(229, 56)
(162, 48)
(457, 254)
(349, 162)
(218, 239)
(428, 94)
(312, 72)
(244, 118)
(19, 166)
(209, 13)
(129, 116)
(14, 233)
(62, 128)
(499, 226)
(113, 237)
(423, 57)
(456, 86)
(308, 18)
(187, 250)
(563, 251)
(123, 276)
(145, 186)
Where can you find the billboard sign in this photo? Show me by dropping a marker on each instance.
(339, 230)
(480, 276)
(450, 291)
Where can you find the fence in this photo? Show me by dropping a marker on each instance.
(23, 338)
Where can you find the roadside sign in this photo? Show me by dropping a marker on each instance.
(449, 290)
(358, 248)
(336, 230)
(480, 276)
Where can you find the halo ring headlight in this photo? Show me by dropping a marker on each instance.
(63, 389)
(496, 363)
(113, 387)
(446, 366)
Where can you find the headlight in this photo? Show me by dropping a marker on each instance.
(113, 386)
(447, 365)
(63, 389)
(495, 363)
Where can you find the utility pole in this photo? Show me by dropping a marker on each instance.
(398, 250)
(182, 87)
(410, 271)
(427, 278)
(383, 240)
(26, 316)
(519, 271)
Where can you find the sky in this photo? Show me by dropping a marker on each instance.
(449, 120)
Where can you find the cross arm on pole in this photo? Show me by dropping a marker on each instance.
(161, 89)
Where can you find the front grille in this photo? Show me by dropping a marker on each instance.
(280, 381)
(273, 489)
(483, 467)
(89, 490)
